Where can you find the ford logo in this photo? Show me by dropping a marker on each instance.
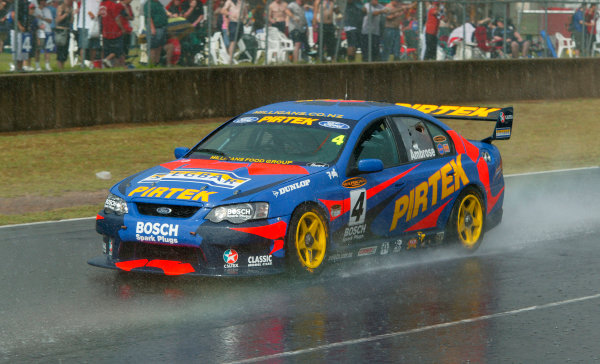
(163, 210)
(334, 124)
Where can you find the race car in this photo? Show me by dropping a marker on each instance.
(294, 186)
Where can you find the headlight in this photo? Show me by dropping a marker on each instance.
(115, 204)
(239, 213)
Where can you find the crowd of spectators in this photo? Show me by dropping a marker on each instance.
(104, 29)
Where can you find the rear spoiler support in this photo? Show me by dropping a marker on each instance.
(502, 116)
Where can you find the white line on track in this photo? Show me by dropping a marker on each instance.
(417, 330)
(507, 176)
(552, 171)
(49, 222)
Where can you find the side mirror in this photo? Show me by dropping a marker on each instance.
(370, 165)
(180, 152)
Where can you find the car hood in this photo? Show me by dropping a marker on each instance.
(209, 182)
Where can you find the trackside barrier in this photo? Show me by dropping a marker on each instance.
(63, 100)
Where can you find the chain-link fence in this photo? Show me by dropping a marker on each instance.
(94, 34)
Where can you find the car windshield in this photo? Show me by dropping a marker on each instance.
(277, 139)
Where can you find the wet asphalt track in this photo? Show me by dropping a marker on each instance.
(531, 293)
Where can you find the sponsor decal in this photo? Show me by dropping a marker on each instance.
(439, 138)
(367, 251)
(334, 125)
(385, 248)
(230, 257)
(502, 118)
(336, 210)
(354, 182)
(247, 119)
(171, 192)
(242, 212)
(292, 187)
(397, 246)
(440, 148)
(287, 120)
(354, 232)
(446, 148)
(437, 188)
(332, 174)
(260, 260)
(156, 232)
(250, 160)
(340, 256)
(316, 164)
(299, 113)
(412, 244)
(502, 132)
(421, 154)
(421, 237)
(470, 111)
(214, 178)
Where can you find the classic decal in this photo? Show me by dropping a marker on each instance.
(260, 260)
(441, 184)
(171, 192)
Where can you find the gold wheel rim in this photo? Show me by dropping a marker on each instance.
(470, 221)
(311, 240)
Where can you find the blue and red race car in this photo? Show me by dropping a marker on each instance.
(296, 185)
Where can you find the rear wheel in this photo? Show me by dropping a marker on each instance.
(307, 240)
(466, 224)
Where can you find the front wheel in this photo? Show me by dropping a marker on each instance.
(466, 224)
(307, 240)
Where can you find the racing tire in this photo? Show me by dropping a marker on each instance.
(307, 240)
(466, 225)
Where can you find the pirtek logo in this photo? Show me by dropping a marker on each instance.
(448, 178)
(470, 111)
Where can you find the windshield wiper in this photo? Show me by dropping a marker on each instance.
(212, 151)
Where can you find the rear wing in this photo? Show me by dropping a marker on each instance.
(502, 116)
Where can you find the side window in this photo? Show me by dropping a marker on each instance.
(376, 142)
(441, 141)
(416, 138)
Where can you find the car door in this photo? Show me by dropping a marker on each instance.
(370, 193)
(423, 204)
